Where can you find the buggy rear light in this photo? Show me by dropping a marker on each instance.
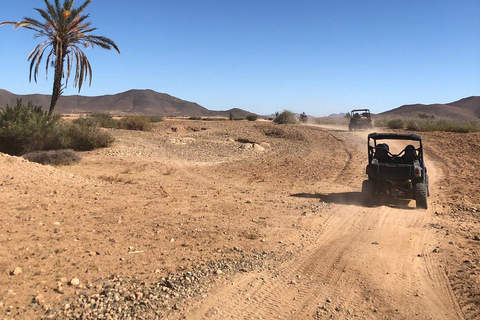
(368, 169)
(417, 170)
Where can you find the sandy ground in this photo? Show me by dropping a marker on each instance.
(237, 220)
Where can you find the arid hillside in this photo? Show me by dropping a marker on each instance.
(146, 102)
(237, 220)
(467, 109)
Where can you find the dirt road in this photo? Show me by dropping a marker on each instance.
(363, 263)
(240, 220)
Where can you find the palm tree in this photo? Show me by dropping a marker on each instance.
(66, 31)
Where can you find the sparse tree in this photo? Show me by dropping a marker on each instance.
(66, 31)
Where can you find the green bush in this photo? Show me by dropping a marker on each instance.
(25, 129)
(195, 118)
(251, 117)
(155, 119)
(54, 157)
(103, 120)
(286, 117)
(83, 137)
(141, 123)
(396, 124)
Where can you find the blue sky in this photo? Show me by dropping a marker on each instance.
(317, 56)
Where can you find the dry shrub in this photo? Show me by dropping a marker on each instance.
(141, 123)
(64, 157)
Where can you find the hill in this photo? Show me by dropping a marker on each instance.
(146, 102)
(465, 109)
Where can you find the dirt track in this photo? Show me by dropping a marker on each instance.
(226, 230)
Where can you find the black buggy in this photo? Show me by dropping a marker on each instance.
(401, 175)
(360, 119)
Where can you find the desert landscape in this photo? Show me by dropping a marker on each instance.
(237, 220)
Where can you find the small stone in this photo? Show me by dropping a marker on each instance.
(258, 147)
(75, 282)
(172, 240)
(328, 300)
(476, 238)
(436, 250)
(16, 272)
(375, 243)
(39, 299)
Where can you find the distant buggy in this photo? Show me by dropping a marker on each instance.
(401, 175)
(360, 119)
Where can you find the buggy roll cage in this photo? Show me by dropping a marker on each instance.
(359, 111)
(393, 136)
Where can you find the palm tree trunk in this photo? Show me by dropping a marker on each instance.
(57, 82)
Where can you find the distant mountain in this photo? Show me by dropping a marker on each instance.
(464, 109)
(146, 102)
(337, 115)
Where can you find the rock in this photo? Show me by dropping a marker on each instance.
(476, 238)
(375, 243)
(74, 282)
(328, 300)
(16, 272)
(39, 299)
(258, 147)
(264, 144)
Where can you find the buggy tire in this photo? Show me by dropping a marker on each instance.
(350, 128)
(427, 182)
(368, 192)
(421, 194)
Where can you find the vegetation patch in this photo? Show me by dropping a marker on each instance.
(27, 128)
(62, 157)
(286, 117)
(141, 123)
(427, 124)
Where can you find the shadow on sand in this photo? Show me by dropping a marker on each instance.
(355, 199)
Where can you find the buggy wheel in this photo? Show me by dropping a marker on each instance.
(368, 192)
(350, 128)
(421, 191)
(427, 182)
